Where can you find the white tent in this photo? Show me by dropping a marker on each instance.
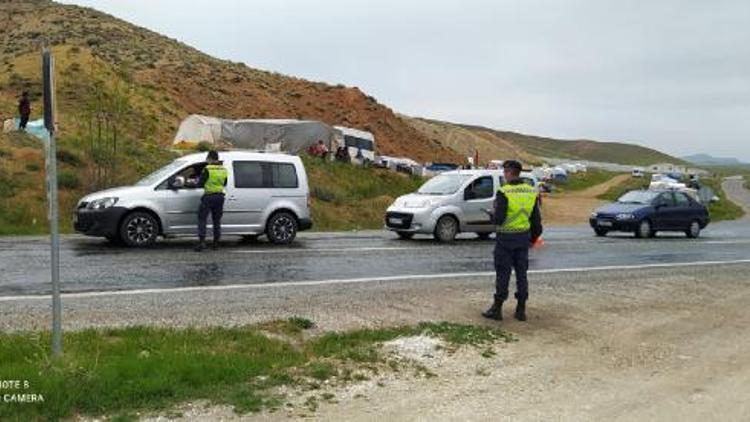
(196, 129)
(265, 134)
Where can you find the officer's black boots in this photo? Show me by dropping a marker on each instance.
(495, 312)
(200, 246)
(521, 310)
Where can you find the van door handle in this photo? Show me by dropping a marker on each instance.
(232, 198)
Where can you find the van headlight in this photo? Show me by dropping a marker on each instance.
(100, 204)
(594, 214)
(422, 203)
(625, 216)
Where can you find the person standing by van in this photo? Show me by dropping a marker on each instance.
(213, 179)
(519, 225)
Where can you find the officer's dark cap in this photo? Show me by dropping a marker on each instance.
(213, 156)
(513, 165)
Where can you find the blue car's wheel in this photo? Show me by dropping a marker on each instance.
(644, 230)
(694, 230)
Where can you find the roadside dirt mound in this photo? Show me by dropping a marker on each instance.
(575, 207)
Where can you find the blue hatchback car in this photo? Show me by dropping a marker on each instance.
(647, 212)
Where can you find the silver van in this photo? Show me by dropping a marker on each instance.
(265, 194)
(448, 204)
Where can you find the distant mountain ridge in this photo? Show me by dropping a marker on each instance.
(710, 160)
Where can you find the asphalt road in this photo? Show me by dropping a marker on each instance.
(90, 264)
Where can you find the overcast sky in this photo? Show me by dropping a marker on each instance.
(674, 75)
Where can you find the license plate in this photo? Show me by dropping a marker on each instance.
(396, 221)
(604, 223)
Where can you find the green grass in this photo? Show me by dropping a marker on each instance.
(725, 209)
(582, 181)
(634, 183)
(118, 372)
(347, 197)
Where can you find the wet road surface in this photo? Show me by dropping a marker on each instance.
(91, 264)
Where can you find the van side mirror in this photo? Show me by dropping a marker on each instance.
(177, 182)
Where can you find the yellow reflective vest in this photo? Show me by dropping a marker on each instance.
(521, 201)
(217, 177)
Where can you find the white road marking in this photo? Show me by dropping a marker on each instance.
(365, 280)
(291, 251)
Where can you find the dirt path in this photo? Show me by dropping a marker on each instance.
(575, 207)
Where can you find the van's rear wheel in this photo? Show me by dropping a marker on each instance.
(282, 228)
(139, 229)
(446, 229)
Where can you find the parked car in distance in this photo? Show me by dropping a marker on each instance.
(266, 194)
(448, 204)
(637, 172)
(647, 212)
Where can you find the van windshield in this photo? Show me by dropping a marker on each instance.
(162, 173)
(444, 184)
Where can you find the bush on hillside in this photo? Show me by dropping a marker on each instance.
(68, 179)
(68, 157)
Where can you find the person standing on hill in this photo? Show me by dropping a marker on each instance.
(213, 180)
(519, 225)
(24, 110)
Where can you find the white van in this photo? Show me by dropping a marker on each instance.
(449, 203)
(265, 194)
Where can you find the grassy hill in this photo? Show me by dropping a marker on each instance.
(122, 91)
(496, 144)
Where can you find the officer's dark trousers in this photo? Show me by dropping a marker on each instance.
(24, 121)
(512, 253)
(213, 204)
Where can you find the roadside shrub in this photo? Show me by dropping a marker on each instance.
(68, 157)
(323, 194)
(68, 179)
(205, 146)
(33, 167)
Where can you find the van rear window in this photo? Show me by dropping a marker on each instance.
(262, 174)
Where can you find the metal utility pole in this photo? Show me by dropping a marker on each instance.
(48, 68)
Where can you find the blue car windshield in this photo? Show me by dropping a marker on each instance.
(638, 197)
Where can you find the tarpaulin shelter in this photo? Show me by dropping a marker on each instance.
(286, 135)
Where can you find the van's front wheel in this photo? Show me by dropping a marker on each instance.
(282, 228)
(139, 229)
(446, 229)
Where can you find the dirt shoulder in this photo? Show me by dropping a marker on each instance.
(652, 344)
(575, 207)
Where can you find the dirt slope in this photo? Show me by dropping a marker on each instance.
(188, 81)
(575, 207)
(500, 145)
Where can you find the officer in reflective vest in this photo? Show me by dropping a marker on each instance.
(519, 225)
(213, 179)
